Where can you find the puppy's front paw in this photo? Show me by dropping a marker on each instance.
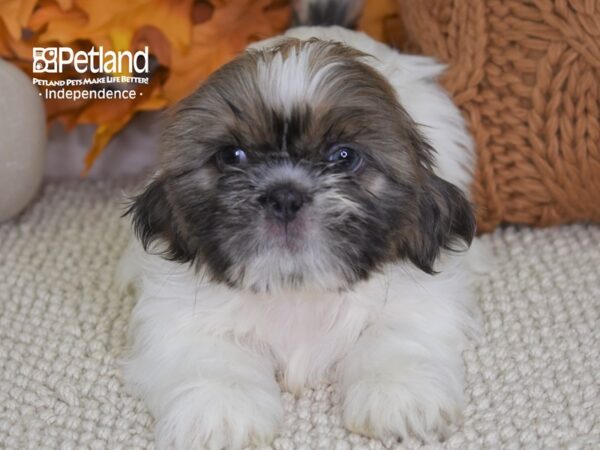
(382, 409)
(235, 419)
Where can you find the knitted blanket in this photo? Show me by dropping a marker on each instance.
(526, 75)
(533, 379)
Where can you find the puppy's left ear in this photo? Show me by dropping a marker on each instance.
(153, 220)
(445, 220)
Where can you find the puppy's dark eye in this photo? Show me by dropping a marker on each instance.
(345, 158)
(231, 157)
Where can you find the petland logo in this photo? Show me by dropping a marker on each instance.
(98, 73)
(55, 59)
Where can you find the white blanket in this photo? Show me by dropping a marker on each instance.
(533, 378)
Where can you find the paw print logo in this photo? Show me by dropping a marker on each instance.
(44, 60)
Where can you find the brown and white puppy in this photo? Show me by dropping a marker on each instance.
(301, 224)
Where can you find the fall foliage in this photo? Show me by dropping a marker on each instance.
(188, 39)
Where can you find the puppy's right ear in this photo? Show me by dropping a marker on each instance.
(153, 220)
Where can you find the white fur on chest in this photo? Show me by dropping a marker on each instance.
(302, 334)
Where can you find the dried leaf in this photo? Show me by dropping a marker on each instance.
(148, 99)
(104, 133)
(15, 14)
(118, 20)
(380, 20)
(13, 49)
(215, 42)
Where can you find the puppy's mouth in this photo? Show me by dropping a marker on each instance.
(290, 236)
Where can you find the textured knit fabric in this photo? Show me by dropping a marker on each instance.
(527, 76)
(532, 378)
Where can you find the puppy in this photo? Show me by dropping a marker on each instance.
(301, 229)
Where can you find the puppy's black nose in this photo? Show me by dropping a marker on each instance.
(284, 202)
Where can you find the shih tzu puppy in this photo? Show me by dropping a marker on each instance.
(308, 222)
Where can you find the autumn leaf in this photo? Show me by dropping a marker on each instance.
(118, 21)
(380, 20)
(13, 49)
(112, 120)
(15, 14)
(105, 132)
(209, 49)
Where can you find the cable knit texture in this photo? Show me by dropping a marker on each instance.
(533, 378)
(527, 77)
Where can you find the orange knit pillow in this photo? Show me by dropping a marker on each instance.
(527, 78)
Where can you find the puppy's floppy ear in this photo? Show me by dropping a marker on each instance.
(153, 219)
(445, 218)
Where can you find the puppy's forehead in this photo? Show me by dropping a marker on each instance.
(310, 87)
(307, 72)
(299, 97)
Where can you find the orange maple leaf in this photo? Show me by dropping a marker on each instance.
(15, 14)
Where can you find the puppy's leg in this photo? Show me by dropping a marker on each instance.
(402, 379)
(204, 392)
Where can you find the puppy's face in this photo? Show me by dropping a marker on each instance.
(296, 167)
